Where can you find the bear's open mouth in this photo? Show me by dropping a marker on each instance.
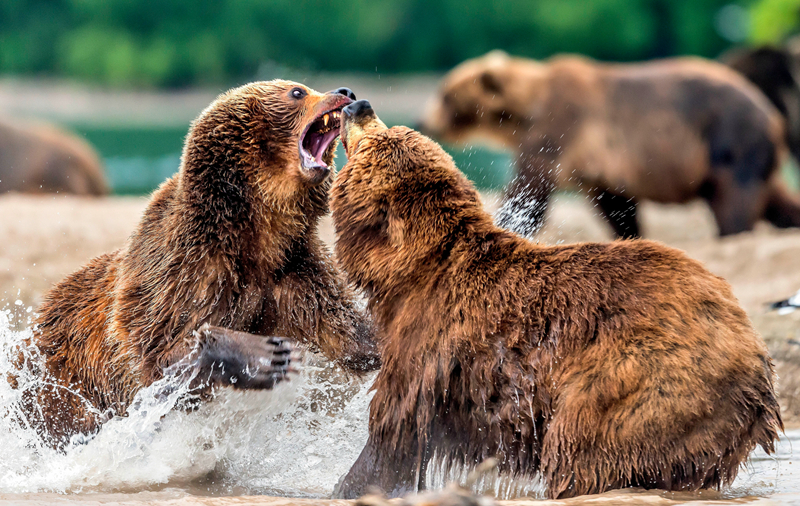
(318, 137)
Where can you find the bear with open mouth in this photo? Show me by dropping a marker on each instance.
(594, 366)
(227, 251)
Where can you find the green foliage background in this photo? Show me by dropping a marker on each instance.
(187, 42)
(774, 20)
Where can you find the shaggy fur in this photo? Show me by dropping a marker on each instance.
(230, 241)
(667, 131)
(39, 158)
(599, 366)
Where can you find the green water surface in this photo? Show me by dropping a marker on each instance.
(139, 158)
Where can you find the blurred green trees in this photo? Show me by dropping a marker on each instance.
(182, 42)
(774, 20)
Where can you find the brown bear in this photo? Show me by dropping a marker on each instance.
(40, 158)
(775, 70)
(667, 131)
(230, 241)
(595, 366)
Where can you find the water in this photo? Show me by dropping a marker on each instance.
(139, 158)
(294, 441)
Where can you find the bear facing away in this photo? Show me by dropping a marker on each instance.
(667, 131)
(598, 366)
(230, 241)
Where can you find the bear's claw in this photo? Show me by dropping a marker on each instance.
(242, 360)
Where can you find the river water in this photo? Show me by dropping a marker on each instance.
(282, 447)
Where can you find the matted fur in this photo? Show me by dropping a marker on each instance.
(600, 366)
(231, 241)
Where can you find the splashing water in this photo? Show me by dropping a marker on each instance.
(294, 440)
(492, 483)
(521, 214)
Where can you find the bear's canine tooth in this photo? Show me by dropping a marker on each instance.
(325, 120)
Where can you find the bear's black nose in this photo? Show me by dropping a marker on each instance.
(358, 109)
(347, 92)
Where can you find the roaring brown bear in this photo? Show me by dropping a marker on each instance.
(667, 131)
(230, 241)
(40, 158)
(598, 366)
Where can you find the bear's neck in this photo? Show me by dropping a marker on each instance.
(227, 212)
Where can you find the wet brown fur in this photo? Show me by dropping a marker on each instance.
(668, 131)
(231, 240)
(40, 158)
(600, 366)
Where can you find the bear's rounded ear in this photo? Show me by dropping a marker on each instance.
(490, 83)
(496, 56)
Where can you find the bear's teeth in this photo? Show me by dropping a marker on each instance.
(325, 120)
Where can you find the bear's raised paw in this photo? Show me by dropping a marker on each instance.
(241, 360)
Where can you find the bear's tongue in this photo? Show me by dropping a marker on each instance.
(320, 134)
(317, 142)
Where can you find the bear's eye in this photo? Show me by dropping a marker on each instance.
(299, 93)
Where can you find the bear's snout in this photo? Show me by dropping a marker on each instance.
(358, 110)
(358, 120)
(347, 92)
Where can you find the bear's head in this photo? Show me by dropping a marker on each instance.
(399, 202)
(279, 136)
(488, 98)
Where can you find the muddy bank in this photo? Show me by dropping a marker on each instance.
(43, 238)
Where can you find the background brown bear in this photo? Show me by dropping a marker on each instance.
(774, 70)
(230, 241)
(40, 158)
(667, 131)
(600, 366)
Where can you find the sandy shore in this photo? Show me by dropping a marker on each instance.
(44, 238)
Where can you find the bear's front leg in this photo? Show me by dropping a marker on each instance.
(241, 360)
(317, 307)
(528, 195)
(396, 475)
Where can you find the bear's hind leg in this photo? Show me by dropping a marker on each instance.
(59, 413)
(396, 475)
(783, 207)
